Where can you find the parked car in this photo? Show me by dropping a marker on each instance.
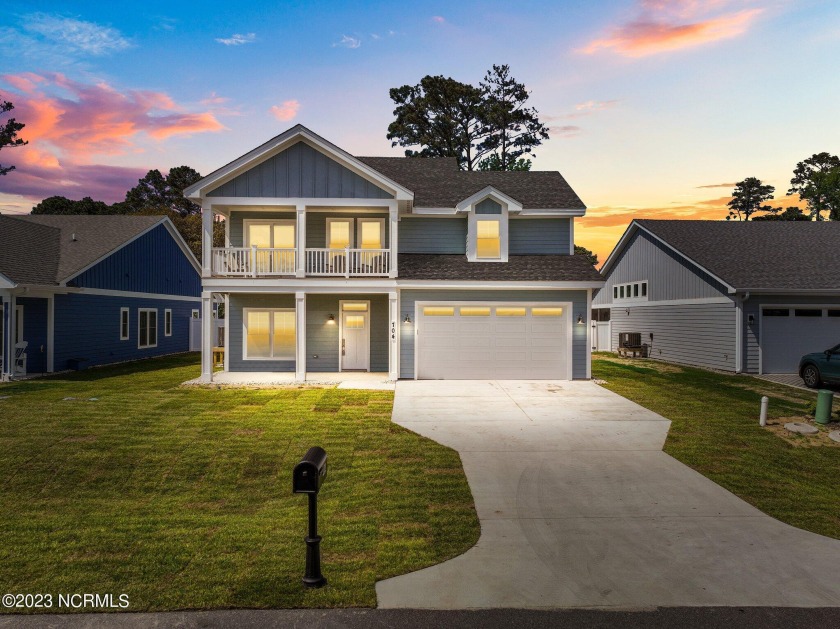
(821, 367)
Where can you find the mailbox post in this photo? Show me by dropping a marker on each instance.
(307, 478)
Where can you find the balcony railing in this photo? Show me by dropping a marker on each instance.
(259, 262)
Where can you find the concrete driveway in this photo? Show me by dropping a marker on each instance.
(579, 506)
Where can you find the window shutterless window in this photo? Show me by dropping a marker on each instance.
(632, 290)
(167, 322)
(269, 334)
(488, 239)
(124, 330)
(146, 328)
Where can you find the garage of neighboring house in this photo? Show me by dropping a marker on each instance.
(493, 340)
(789, 331)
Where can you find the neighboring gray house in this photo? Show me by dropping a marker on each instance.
(738, 296)
(405, 266)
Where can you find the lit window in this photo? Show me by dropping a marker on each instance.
(474, 311)
(355, 307)
(354, 322)
(510, 312)
(371, 231)
(547, 312)
(270, 334)
(488, 241)
(439, 311)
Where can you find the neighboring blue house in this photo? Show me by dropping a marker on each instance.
(409, 267)
(93, 290)
(746, 296)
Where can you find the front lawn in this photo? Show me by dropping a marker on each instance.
(180, 497)
(714, 429)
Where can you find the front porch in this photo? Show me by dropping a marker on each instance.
(284, 337)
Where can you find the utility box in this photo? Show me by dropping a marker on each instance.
(823, 413)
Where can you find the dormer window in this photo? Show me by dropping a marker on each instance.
(487, 225)
(488, 243)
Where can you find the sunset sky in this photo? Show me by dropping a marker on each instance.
(656, 107)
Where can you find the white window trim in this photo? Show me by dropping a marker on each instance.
(125, 312)
(339, 219)
(245, 356)
(246, 223)
(381, 222)
(472, 222)
(167, 322)
(618, 299)
(139, 310)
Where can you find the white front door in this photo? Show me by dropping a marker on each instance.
(355, 341)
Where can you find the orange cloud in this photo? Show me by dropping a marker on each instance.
(669, 26)
(69, 123)
(286, 110)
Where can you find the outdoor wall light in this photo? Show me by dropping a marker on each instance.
(750, 319)
(580, 319)
(331, 320)
(407, 319)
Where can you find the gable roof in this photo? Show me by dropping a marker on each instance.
(763, 256)
(281, 142)
(438, 182)
(41, 250)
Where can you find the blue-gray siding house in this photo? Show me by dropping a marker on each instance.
(405, 266)
(747, 297)
(81, 291)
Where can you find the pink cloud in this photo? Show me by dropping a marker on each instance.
(286, 110)
(665, 26)
(69, 124)
(438, 19)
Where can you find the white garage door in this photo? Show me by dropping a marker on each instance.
(788, 333)
(493, 341)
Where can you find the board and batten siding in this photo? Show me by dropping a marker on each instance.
(300, 171)
(691, 334)
(408, 299)
(433, 235)
(669, 276)
(88, 327)
(539, 236)
(153, 263)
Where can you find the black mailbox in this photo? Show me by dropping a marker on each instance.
(310, 472)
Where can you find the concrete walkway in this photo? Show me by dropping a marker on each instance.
(790, 379)
(579, 507)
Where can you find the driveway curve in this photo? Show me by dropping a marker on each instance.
(579, 507)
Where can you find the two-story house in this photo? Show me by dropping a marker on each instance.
(405, 266)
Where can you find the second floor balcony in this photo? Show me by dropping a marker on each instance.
(277, 262)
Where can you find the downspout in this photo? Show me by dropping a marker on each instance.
(739, 331)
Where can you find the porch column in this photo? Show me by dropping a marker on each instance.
(300, 233)
(300, 337)
(393, 236)
(393, 336)
(51, 333)
(206, 238)
(8, 342)
(207, 336)
(588, 319)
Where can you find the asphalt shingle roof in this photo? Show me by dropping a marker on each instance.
(541, 268)
(437, 182)
(767, 255)
(41, 250)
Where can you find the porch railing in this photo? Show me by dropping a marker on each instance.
(253, 261)
(259, 262)
(348, 262)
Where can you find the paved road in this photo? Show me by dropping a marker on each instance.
(684, 618)
(579, 507)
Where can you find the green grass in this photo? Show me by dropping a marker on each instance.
(181, 497)
(714, 429)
